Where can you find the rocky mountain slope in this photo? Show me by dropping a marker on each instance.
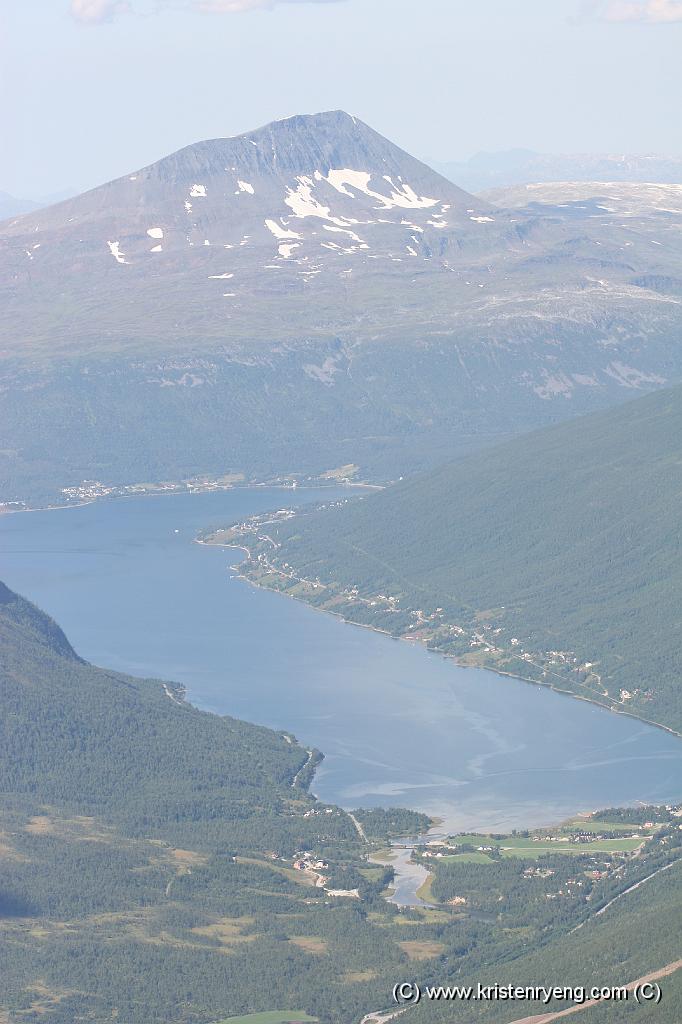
(308, 295)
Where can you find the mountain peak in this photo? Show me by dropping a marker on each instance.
(298, 204)
(301, 144)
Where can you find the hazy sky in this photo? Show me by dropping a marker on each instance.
(92, 89)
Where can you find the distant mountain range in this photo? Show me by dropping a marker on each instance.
(555, 557)
(10, 206)
(626, 199)
(523, 166)
(308, 296)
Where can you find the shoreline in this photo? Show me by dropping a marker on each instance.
(339, 616)
(448, 657)
(248, 486)
(436, 821)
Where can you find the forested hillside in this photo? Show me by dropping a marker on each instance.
(637, 935)
(555, 557)
(97, 743)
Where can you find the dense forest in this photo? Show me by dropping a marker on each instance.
(162, 865)
(555, 557)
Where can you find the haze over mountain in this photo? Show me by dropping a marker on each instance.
(652, 200)
(290, 199)
(523, 166)
(10, 206)
(307, 296)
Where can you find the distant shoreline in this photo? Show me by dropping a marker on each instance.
(449, 657)
(251, 486)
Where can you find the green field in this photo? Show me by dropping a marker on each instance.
(469, 858)
(573, 849)
(601, 826)
(521, 846)
(524, 848)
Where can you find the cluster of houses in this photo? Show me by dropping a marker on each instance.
(90, 490)
(626, 695)
(306, 861)
(570, 889)
(312, 866)
(538, 873)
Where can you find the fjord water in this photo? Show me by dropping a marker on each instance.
(397, 725)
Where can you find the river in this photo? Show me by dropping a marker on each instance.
(397, 724)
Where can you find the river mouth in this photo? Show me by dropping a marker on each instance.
(399, 726)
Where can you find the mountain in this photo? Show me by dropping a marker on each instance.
(10, 206)
(247, 219)
(555, 557)
(523, 166)
(309, 296)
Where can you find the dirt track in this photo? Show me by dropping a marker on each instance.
(545, 1018)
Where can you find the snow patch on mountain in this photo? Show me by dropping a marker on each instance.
(280, 232)
(344, 231)
(115, 250)
(630, 377)
(403, 195)
(303, 204)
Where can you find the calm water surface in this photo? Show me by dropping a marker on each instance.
(397, 725)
